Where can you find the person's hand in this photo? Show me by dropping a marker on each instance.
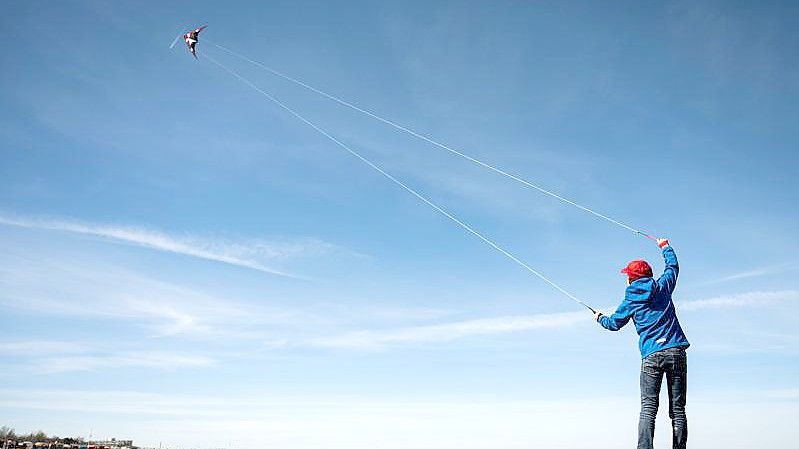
(662, 242)
(597, 315)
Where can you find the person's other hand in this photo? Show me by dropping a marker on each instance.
(663, 242)
(597, 315)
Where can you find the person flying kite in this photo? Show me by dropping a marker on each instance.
(662, 343)
(647, 301)
(191, 38)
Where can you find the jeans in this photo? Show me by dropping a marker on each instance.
(673, 363)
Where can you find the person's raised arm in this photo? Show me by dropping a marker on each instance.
(668, 280)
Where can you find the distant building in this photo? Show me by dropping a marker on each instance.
(113, 443)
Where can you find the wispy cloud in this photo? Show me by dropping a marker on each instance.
(158, 360)
(40, 347)
(740, 300)
(241, 254)
(375, 339)
(745, 275)
(52, 287)
(51, 356)
(382, 338)
(59, 286)
(753, 273)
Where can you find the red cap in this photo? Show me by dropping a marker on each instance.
(637, 269)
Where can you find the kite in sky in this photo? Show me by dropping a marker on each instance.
(191, 38)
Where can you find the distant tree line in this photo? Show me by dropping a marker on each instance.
(8, 433)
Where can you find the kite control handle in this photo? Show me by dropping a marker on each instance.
(644, 234)
(587, 307)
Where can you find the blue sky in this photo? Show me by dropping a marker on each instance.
(185, 263)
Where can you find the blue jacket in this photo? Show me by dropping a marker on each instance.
(648, 303)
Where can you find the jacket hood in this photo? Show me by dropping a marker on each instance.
(640, 290)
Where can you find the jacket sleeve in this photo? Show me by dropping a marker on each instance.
(619, 318)
(668, 280)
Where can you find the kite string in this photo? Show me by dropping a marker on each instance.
(399, 183)
(432, 141)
